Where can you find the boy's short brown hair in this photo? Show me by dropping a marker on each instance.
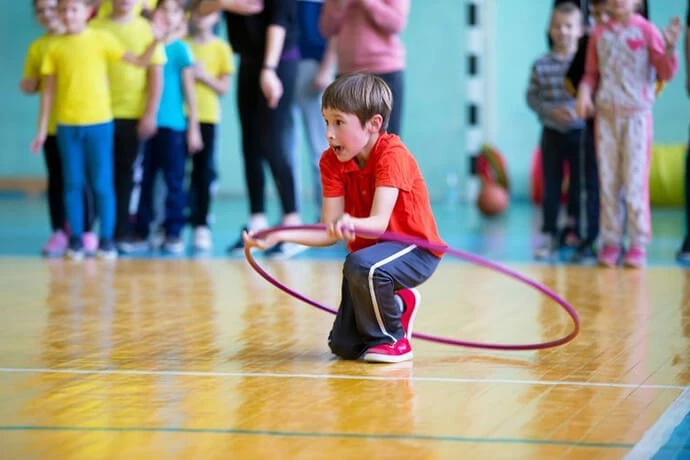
(362, 94)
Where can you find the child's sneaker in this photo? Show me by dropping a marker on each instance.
(173, 245)
(56, 245)
(106, 250)
(284, 251)
(636, 257)
(133, 243)
(90, 243)
(584, 254)
(683, 254)
(608, 256)
(410, 299)
(546, 251)
(389, 352)
(75, 250)
(202, 239)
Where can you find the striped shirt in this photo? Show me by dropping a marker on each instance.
(547, 91)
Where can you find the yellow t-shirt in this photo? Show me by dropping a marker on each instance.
(128, 83)
(106, 7)
(216, 57)
(32, 68)
(80, 65)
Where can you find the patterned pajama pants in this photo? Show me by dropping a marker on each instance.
(624, 150)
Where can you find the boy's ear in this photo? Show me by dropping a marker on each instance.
(376, 122)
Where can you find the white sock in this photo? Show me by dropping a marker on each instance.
(257, 222)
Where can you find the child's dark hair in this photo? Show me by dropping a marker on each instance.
(181, 3)
(362, 94)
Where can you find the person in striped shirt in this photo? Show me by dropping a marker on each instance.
(562, 128)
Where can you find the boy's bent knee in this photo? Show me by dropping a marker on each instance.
(345, 349)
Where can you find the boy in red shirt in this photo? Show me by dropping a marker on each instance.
(373, 183)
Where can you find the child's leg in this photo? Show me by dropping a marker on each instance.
(203, 175)
(552, 155)
(373, 275)
(56, 195)
(149, 167)
(591, 177)
(126, 149)
(573, 153)
(608, 157)
(98, 146)
(636, 153)
(72, 155)
(174, 157)
(344, 339)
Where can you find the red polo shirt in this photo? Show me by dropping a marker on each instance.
(390, 164)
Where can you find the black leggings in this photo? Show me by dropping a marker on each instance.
(396, 82)
(56, 194)
(203, 175)
(263, 132)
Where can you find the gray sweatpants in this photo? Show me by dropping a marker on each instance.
(368, 314)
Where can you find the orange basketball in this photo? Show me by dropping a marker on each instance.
(492, 200)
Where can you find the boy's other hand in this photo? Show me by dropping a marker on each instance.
(251, 242)
(37, 143)
(343, 228)
(564, 115)
(194, 141)
(147, 127)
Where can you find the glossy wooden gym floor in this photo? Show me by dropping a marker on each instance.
(203, 359)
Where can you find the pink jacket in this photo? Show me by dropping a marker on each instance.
(368, 37)
(623, 63)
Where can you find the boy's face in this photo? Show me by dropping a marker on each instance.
(74, 14)
(47, 12)
(565, 30)
(599, 13)
(123, 6)
(345, 134)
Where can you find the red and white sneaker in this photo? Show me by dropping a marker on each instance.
(389, 352)
(411, 300)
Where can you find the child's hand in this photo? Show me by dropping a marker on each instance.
(322, 79)
(37, 143)
(343, 228)
(244, 7)
(200, 71)
(194, 141)
(251, 242)
(147, 126)
(672, 33)
(584, 107)
(564, 115)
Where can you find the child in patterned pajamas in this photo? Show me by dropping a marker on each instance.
(625, 56)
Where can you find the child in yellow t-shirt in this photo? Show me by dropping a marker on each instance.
(75, 81)
(139, 7)
(46, 12)
(212, 70)
(135, 94)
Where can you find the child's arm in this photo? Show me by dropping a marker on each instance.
(378, 220)
(333, 16)
(194, 142)
(154, 89)
(29, 85)
(270, 83)
(243, 7)
(47, 97)
(144, 59)
(30, 82)
(662, 53)
(218, 85)
(331, 210)
(389, 16)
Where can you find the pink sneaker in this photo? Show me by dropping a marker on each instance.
(636, 257)
(411, 300)
(89, 241)
(56, 245)
(608, 256)
(389, 352)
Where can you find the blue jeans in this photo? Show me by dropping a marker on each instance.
(87, 154)
(167, 150)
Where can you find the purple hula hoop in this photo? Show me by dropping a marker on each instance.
(474, 259)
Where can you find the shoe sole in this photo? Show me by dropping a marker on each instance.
(377, 358)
